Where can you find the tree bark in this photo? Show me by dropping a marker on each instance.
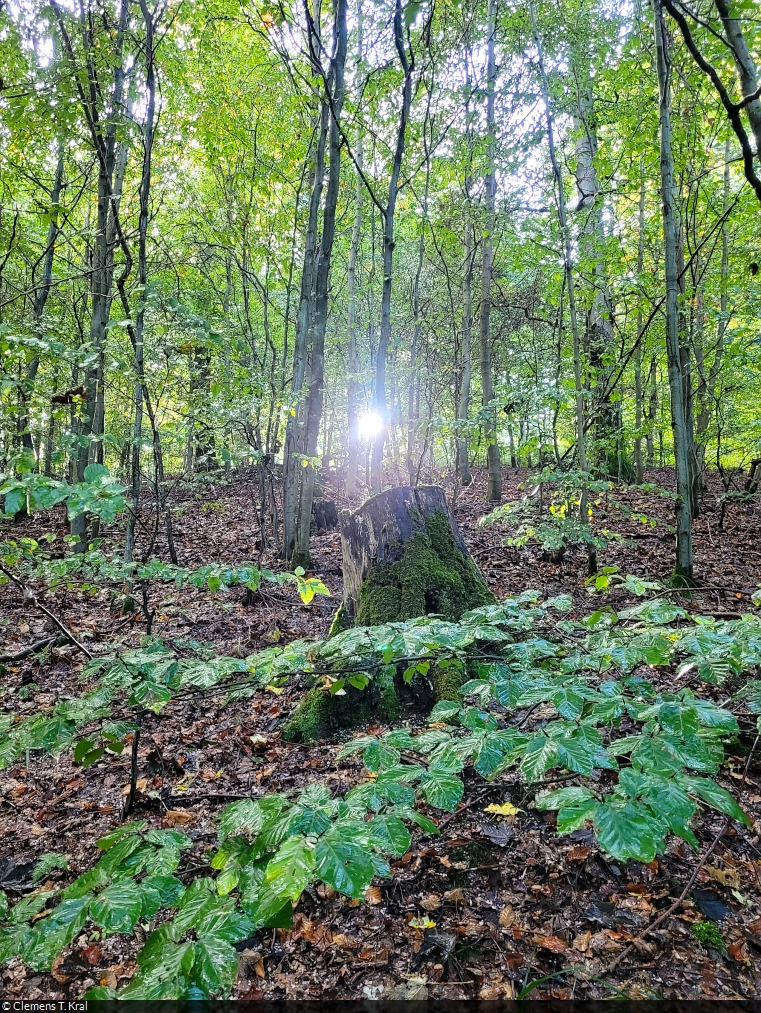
(380, 401)
(684, 559)
(493, 460)
(315, 396)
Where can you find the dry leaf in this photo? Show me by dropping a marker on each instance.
(755, 927)
(578, 853)
(178, 818)
(506, 809)
(739, 953)
(455, 896)
(506, 917)
(728, 877)
(259, 968)
(141, 785)
(37, 830)
(581, 942)
(551, 943)
(373, 895)
(109, 978)
(344, 941)
(92, 954)
(430, 902)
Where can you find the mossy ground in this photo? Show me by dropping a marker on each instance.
(432, 576)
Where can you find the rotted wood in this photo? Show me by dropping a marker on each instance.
(376, 532)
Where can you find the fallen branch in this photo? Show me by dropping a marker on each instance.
(38, 645)
(32, 598)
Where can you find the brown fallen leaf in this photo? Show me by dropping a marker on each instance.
(344, 941)
(739, 953)
(108, 978)
(259, 968)
(455, 896)
(513, 960)
(431, 902)
(579, 853)
(92, 954)
(727, 877)
(581, 942)
(373, 895)
(178, 818)
(141, 785)
(507, 917)
(551, 943)
(755, 927)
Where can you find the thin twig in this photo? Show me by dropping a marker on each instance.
(28, 594)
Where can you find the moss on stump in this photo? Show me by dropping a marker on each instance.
(426, 571)
(432, 577)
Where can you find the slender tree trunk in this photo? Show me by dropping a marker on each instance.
(301, 556)
(291, 464)
(142, 275)
(581, 443)
(639, 472)
(380, 400)
(42, 293)
(352, 474)
(493, 460)
(684, 559)
(412, 413)
(462, 463)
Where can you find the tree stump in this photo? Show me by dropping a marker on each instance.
(403, 557)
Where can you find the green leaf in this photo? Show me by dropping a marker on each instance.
(215, 965)
(561, 797)
(626, 832)
(715, 796)
(678, 719)
(118, 907)
(572, 817)
(109, 840)
(441, 788)
(50, 935)
(568, 702)
(344, 865)
(541, 754)
(446, 711)
(390, 835)
(159, 892)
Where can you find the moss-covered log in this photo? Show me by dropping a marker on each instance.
(403, 557)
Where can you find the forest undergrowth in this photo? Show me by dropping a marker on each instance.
(489, 861)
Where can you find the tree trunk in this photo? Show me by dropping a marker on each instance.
(684, 562)
(494, 463)
(301, 556)
(581, 442)
(639, 471)
(290, 462)
(352, 472)
(380, 402)
(403, 557)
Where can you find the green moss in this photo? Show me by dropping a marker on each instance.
(320, 715)
(431, 576)
(446, 682)
(341, 622)
(709, 934)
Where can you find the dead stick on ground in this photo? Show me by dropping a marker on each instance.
(38, 604)
(130, 799)
(38, 645)
(669, 911)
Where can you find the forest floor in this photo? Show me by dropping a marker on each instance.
(510, 902)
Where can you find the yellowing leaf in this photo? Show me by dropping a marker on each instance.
(277, 690)
(422, 923)
(506, 809)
